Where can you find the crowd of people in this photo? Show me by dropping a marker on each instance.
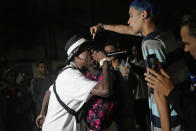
(93, 91)
(21, 97)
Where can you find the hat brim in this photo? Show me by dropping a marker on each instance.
(84, 46)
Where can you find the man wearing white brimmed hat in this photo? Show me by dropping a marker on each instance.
(73, 87)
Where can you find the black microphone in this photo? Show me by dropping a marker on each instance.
(116, 53)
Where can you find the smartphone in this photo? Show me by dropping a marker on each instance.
(152, 62)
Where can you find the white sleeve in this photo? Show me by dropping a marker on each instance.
(72, 84)
(51, 88)
(85, 88)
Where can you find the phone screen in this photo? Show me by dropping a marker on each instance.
(152, 62)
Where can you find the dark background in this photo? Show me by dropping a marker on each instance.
(35, 29)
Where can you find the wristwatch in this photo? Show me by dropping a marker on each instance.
(101, 62)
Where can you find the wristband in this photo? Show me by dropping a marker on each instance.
(101, 25)
(101, 62)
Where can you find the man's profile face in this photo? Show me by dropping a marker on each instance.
(135, 20)
(86, 58)
(188, 40)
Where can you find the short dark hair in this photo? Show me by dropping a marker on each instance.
(111, 43)
(41, 62)
(190, 21)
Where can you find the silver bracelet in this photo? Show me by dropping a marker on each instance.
(101, 25)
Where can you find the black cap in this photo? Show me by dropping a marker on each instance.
(73, 44)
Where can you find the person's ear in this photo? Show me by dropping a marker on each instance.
(144, 14)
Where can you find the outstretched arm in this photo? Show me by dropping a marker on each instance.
(122, 29)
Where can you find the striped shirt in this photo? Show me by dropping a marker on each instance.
(162, 44)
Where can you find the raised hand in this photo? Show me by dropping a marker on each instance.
(95, 29)
(98, 55)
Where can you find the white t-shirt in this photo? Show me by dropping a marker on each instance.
(73, 89)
